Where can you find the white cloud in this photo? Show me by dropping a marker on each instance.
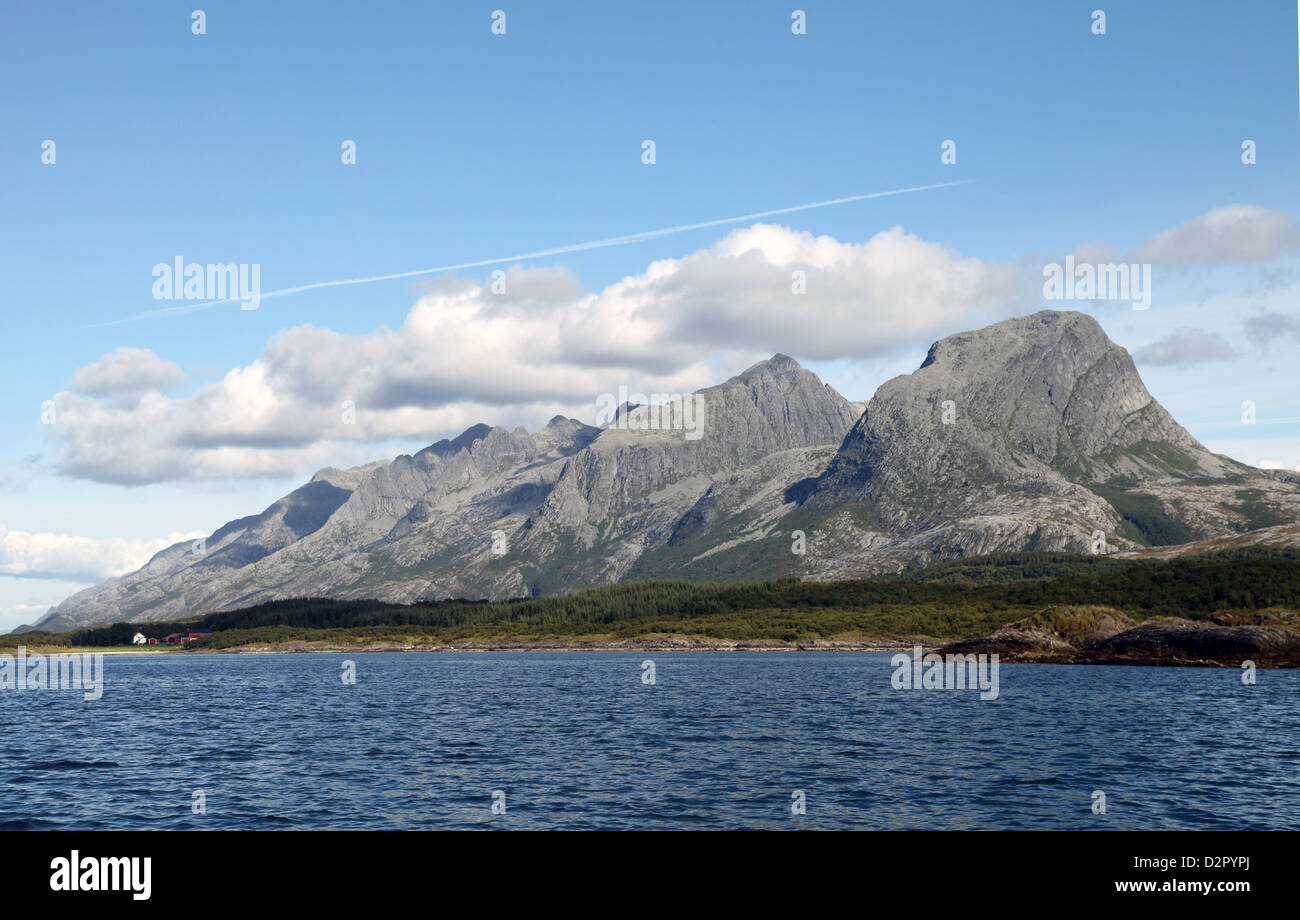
(127, 372)
(863, 299)
(1235, 233)
(60, 556)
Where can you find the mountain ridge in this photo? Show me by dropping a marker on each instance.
(1035, 433)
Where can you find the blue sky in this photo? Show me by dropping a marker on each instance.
(225, 147)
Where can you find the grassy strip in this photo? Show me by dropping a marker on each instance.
(774, 625)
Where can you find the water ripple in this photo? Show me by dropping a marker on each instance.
(576, 741)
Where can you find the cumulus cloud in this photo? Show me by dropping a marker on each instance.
(861, 300)
(60, 556)
(537, 345)
(1184, 348)
(1235, 233)
(127, 372)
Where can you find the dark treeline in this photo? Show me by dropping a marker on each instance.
(1194, 586)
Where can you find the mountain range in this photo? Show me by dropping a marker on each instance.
(1036, 433)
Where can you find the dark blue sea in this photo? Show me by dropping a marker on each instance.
(577, 740)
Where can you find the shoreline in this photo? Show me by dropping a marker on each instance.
(543, 645)
(928, 646)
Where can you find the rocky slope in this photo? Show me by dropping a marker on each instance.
(1035, 433)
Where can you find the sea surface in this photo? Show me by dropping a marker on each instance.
(578, 740)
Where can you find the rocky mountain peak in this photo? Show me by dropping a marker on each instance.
(1043, 392)
(563, 435)
(781, 401)
(778, 367)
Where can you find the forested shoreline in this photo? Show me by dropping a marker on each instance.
(944, 601)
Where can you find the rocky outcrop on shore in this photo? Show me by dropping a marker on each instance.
(1271, 639)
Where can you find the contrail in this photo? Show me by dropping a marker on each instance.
(540, 253)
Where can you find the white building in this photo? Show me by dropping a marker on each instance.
(139, 639)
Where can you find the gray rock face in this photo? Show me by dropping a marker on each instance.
(1022, 404)
(1028, 434)
(1200, 640)
(1033, 433)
